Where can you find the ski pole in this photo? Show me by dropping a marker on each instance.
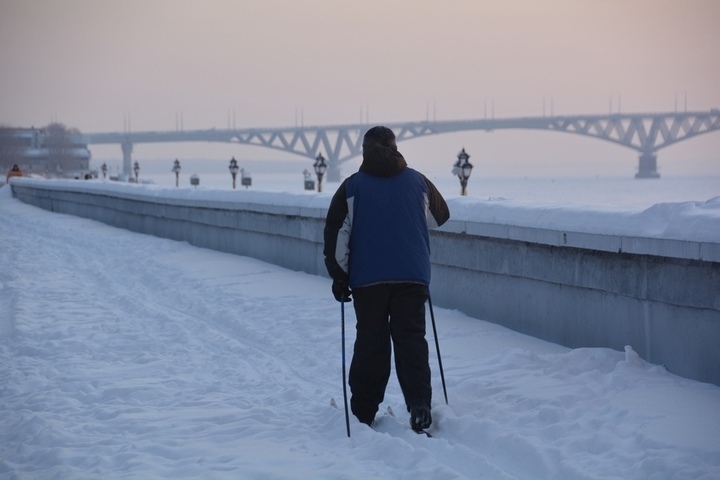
(437, 346)
(342, 322)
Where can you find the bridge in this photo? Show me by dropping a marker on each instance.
(645, 133)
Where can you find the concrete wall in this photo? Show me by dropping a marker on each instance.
(286, 235)
(660, 296)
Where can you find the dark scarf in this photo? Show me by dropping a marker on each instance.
(381, 161)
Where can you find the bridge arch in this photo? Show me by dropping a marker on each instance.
(645, 133)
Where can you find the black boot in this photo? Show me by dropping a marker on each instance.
(367, 420)
(420, 416)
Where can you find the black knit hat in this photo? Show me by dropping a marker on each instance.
(380, 136)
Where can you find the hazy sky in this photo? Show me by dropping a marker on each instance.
(102, 65)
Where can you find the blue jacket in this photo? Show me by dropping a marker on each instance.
(376, 230)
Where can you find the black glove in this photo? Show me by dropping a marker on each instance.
(341, 291)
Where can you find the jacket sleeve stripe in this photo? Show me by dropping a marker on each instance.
(337, 237)
(439, 211)
(342, 247)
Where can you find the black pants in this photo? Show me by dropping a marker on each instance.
(389, 311)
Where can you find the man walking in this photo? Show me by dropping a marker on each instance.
(377, 249)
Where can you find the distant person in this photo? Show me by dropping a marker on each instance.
(377, 249)
(14, 172)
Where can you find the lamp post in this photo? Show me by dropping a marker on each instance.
(320, 167)
(233, 169)
(176, 170)
(463, 169)
(104, 170)
(136, 169)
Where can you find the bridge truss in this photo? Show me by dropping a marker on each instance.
(645, 133)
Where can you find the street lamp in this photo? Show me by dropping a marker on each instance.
(136, 169)
(463, 169)
(104, 170)
(176, 170)
(320, 167)
(234, 169)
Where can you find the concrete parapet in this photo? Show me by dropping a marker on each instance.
(579, 289)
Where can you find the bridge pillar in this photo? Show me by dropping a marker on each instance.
(333, 171)
(127, 148)
(647, 168)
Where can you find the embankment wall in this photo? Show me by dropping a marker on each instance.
(660, 296)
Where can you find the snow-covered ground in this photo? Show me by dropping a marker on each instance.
(128, 356)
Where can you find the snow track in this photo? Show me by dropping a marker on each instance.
(129, 356)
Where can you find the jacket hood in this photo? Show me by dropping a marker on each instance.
(382, 161)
